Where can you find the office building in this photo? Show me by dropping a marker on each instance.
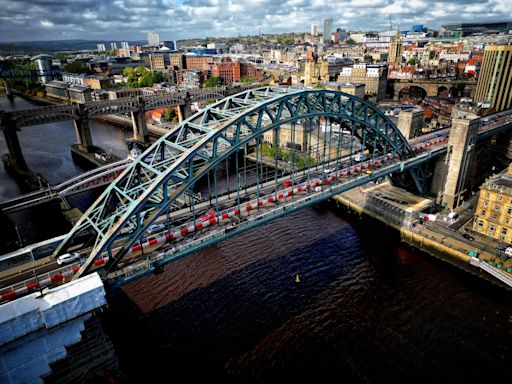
(44, 67)
(314, 30)
(101, 47)
(113, 46)
(327, 30)
(153, 39)
(229, 71)
(125, 45)
(493, 215)
(467, 29)
(494, 85)
(374, 78)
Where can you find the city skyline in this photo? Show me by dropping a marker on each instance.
(29, 20)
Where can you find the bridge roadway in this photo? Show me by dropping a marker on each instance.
(232, 220)
(270, 202)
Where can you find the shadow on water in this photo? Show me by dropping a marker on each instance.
(362, 312)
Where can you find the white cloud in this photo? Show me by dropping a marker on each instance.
(178, 19)
(47, 23)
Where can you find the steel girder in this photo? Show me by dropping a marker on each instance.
(154, 183)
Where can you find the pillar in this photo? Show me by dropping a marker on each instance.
(461, 150)
(13, 144)
(140, 127)
(185, 111)
(83, 134)
(410, 123)
(8, 90)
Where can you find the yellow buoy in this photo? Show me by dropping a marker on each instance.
(297, 278)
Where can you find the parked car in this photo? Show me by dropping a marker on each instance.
(329, 170)
(68, 258)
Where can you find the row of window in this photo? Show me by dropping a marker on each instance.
(491, 229)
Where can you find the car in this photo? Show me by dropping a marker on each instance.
(329, 170)
(369, 171)
(468, 236)
(360, 157)
(501, 249)
(68, 258)
(154, 228)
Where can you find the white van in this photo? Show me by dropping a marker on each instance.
(508, 251)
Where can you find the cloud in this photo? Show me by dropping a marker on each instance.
(121, 20)
(47, 23)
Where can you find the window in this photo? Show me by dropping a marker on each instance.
(499, 198)
(485, 204)
(484, 212)
(496, 207)
(492, 229)
(480, 224)
(509, 211)
(494, 216)
(503, 234)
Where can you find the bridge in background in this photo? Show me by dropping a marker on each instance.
(12, 121)
(241, 162)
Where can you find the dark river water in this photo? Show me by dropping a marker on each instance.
(367, 308)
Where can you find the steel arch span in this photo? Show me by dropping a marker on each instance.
(161, 181)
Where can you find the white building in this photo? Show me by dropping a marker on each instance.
(101, 47)
(113, 46)
(314, 30)
(125, 45)
(153, 39)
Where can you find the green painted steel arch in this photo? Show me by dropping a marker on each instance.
(165, 172)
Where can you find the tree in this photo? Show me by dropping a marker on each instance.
(128, 71)
(213, 82)
(158, 77)
(170, 115)
(140, 70)
(146, 80)
(77, 67)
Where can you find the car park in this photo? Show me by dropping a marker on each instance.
(68, 258)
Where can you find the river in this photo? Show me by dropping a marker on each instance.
(367, 309)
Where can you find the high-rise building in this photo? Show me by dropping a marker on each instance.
(113, 46)
(43, 66)
(395, 49)
(495, 80)
(153, 39)
(314, 30)
(327, 30)
(101, 47)
(125, 45)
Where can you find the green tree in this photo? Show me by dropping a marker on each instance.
(140, 70)
(170, 115)
(128, 71)
(146, 80)
(213, 82)
(77, 67)
(158, 77)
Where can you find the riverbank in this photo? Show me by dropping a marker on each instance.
(403, 217)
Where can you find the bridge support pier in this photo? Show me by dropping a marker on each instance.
(185, 109)
(8, 91)
(140, 127)
(83, 134)
(410, 123)
(15, 156)
(457, 166)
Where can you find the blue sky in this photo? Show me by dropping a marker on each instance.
(22, 20)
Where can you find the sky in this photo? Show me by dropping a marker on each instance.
(121, 20)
